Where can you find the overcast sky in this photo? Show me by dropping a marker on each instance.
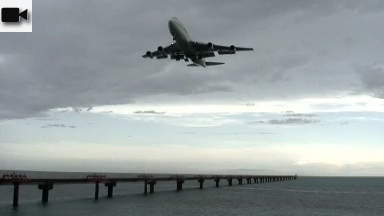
(76, 95)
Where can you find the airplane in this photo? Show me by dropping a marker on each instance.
(185, 48)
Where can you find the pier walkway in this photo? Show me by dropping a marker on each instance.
(46, 184)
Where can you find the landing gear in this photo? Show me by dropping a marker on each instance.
(186, 60)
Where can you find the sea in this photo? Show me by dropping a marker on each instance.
(304, 196)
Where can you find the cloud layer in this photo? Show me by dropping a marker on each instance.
(89, 54)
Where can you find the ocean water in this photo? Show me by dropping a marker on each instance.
(304, 196)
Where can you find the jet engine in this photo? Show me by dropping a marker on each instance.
(233, 49)
(149, 54)
(230, 51)
(210, 46)
(160, 49)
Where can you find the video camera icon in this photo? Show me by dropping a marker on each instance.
(12, 15)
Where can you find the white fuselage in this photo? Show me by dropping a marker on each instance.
(183, 41)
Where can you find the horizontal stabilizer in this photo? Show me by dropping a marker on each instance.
(213, 63)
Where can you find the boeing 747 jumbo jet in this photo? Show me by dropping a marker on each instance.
(185, 48)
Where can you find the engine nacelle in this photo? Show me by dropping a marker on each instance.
(160, 49)
(210, 46)
(233, 48)
(149, 54)
(230, 51)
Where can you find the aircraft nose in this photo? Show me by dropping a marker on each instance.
(171, 26)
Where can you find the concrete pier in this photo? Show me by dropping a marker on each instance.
(16, 187)
(152, 186)
(16, 180)
(229, 182)
(179, 184)
(110, 186)
(96, 190)
(217, 182)
(46, 187)
(240, 181)
(201, 183)
(249, 180)
(145, 187)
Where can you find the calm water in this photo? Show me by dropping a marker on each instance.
(305, 196)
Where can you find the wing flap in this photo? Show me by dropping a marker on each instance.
(213, 63)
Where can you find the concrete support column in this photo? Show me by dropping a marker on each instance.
(179, 184)
(240, 181)
(152, 186)
(217, 182)
(229, 182)
(96, 190)
(110, 186)
(201, 182)
(145, 187)
(46, 187)
(16, 194)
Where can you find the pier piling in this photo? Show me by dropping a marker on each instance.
(145, 187)
(229, 182)
(96, 190)
(217, 182)
(110, 186)
(201, 182)
(152, 186)
(179, 184)
(16, 187)
(240, 181)
(46, 187)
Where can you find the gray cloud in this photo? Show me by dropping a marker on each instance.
(372, 79)
(293, 121)
(88, 54)
(57, 126)
(287, 121)
(149, 112)
(300, 115)
(47, 119)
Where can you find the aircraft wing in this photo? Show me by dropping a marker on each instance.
(222, 50)
(163, 52)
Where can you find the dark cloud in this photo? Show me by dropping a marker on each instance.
(57, 126)
(149, 112)
(372, 79)
(89, 54)
(77, 109)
